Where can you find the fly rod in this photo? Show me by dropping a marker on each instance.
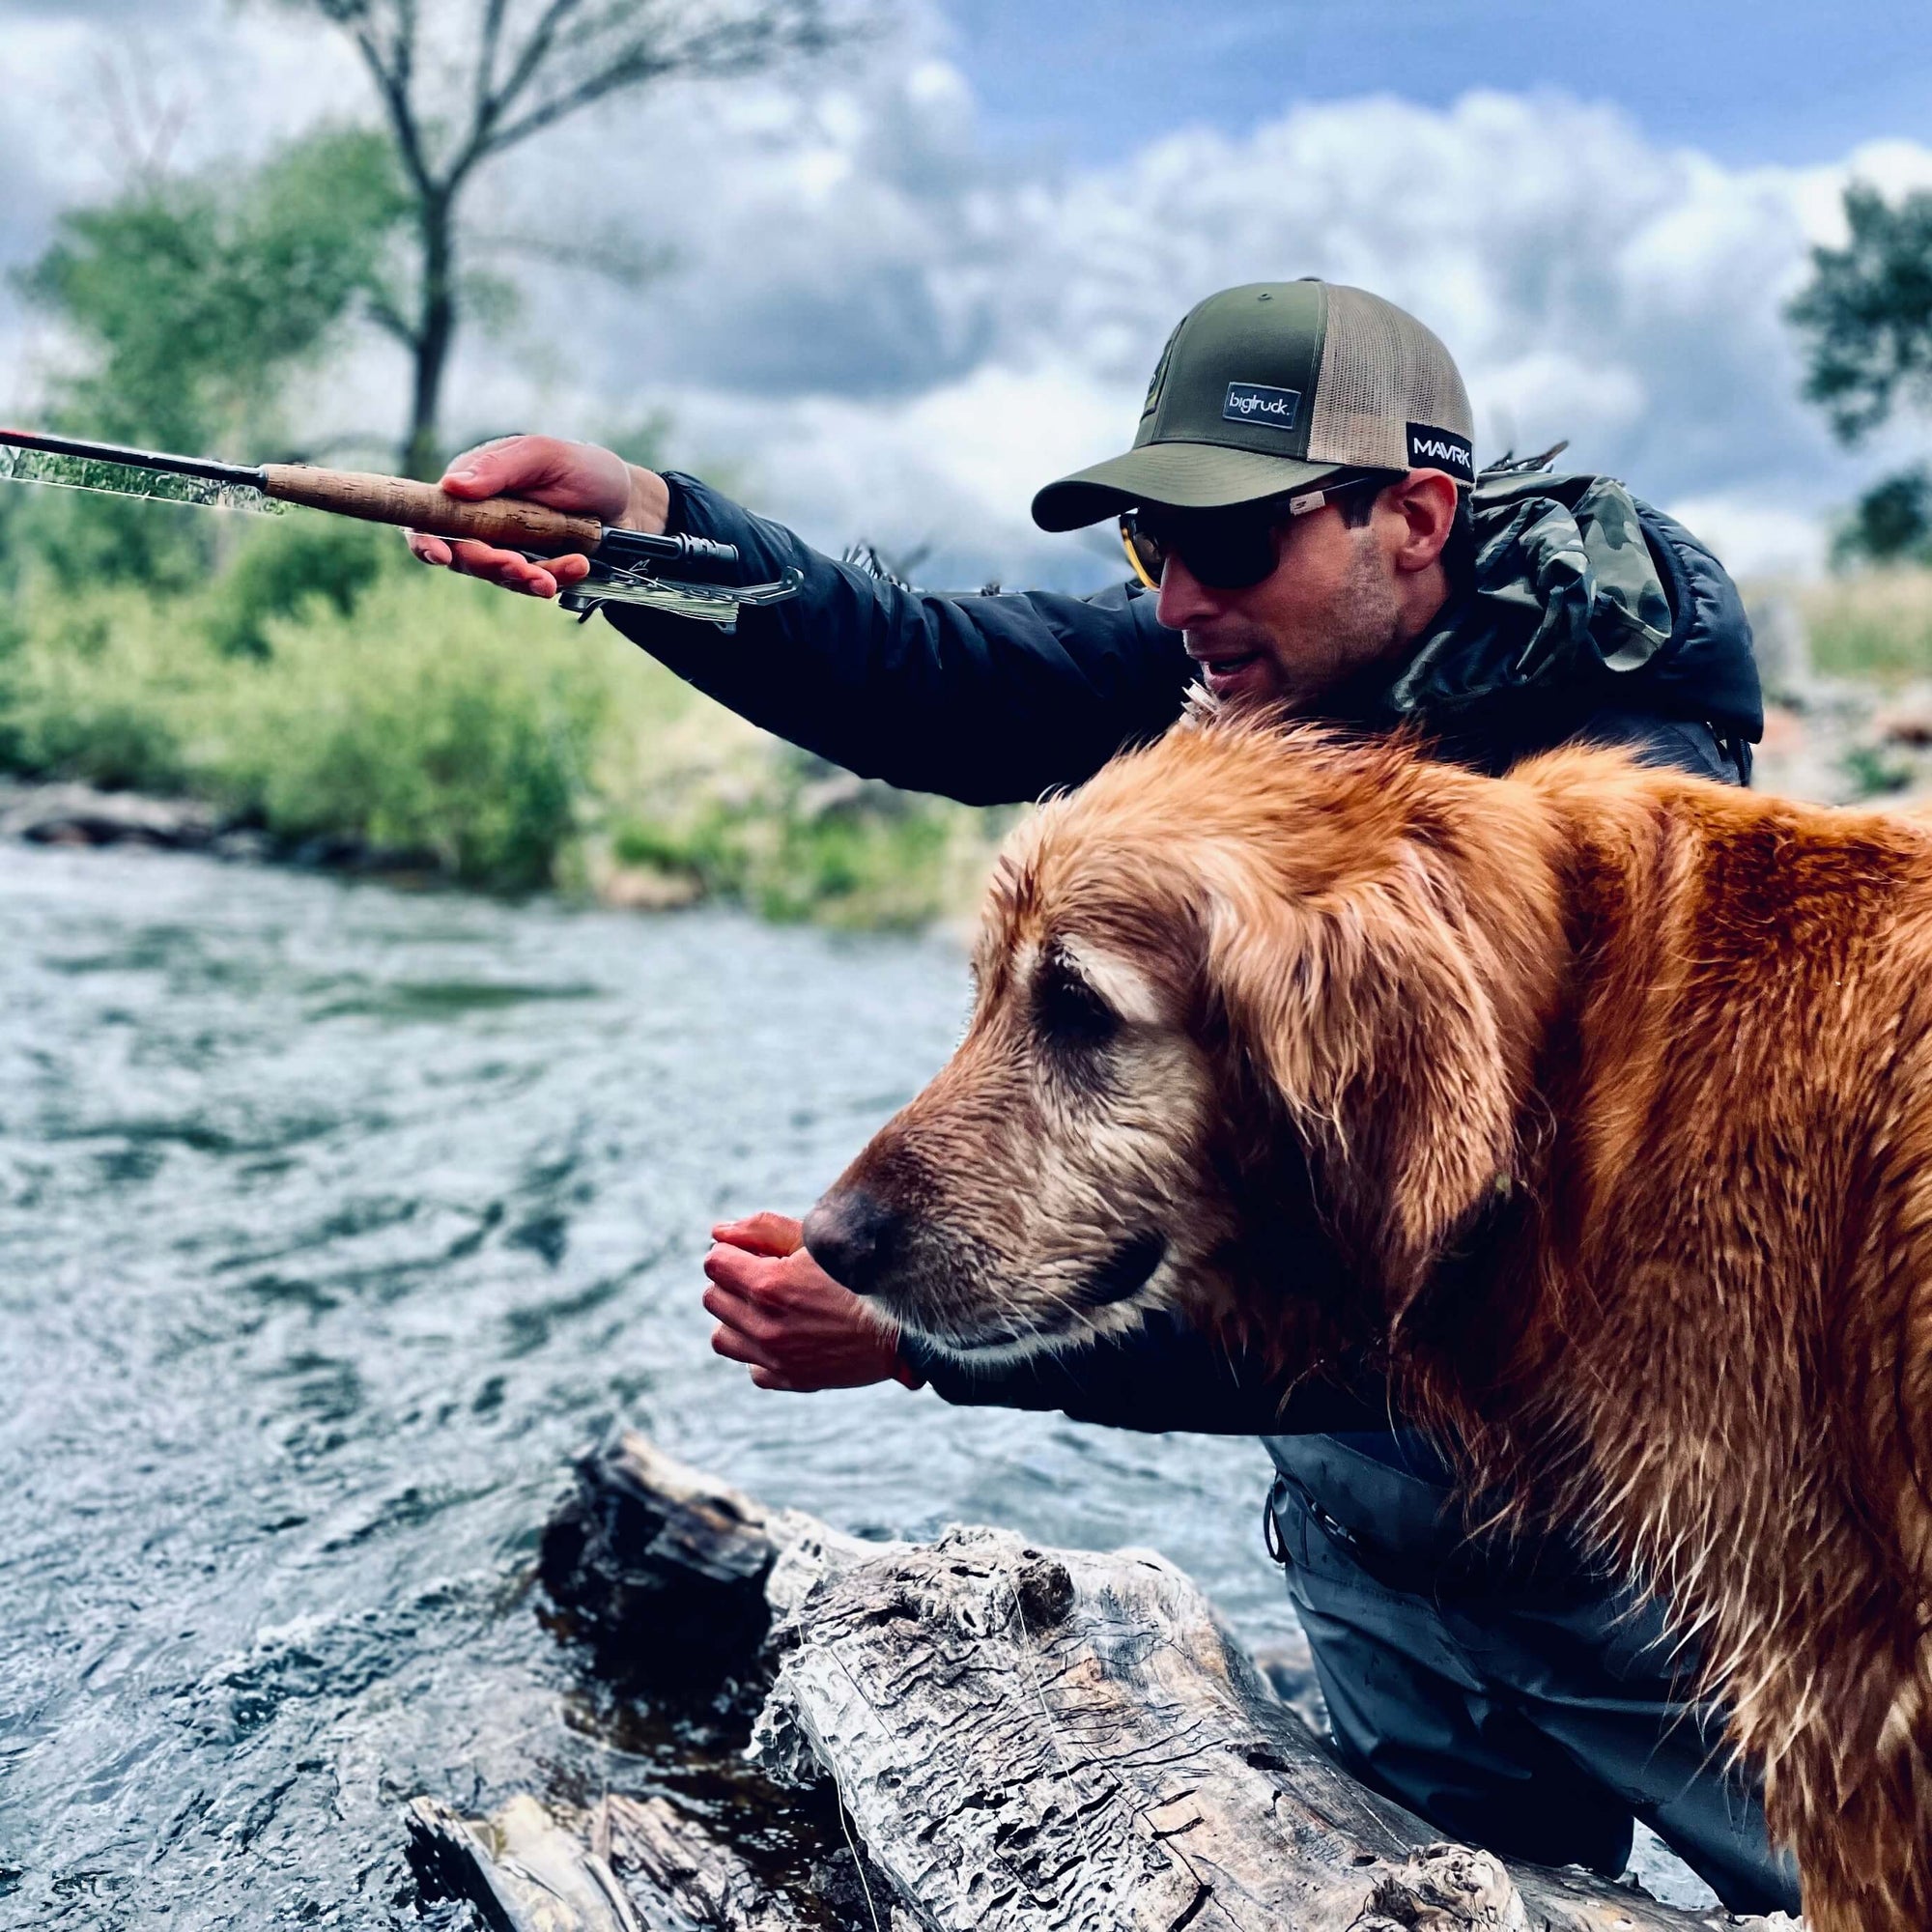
(682, 576)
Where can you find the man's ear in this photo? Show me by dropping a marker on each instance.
(1426, 501)
(1371, 1022)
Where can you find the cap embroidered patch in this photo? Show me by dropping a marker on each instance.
(1432, 448)
(1258, 402)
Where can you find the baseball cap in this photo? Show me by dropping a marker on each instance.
(1269, 388)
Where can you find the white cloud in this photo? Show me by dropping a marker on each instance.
(1756, 537)
(884, 330)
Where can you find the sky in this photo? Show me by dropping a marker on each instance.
(1743, 81)
(906, 291)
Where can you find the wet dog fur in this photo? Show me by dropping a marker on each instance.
(1610, 1091)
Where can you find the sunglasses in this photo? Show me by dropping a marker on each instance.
(1226, 549)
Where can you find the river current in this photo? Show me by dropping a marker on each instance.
(333, 1220)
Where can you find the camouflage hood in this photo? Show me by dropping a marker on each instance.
(1580, 596)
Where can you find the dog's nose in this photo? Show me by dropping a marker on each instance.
(852, 1236)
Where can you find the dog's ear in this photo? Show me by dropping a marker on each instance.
(1384, 1027)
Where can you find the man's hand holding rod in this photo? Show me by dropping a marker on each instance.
(577, 477)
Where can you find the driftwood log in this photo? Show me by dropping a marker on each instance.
(1019, 1738)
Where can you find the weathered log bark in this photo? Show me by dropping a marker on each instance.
(525, 1870)
(1026, 1740)
(625, 1866)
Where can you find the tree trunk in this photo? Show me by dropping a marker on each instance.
(1023, 1740)
(434, 337)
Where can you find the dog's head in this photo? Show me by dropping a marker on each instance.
(1247, 984)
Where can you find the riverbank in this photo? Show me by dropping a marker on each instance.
(404, 724)
(431, 727)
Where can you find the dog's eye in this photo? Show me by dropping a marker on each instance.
(1069, 1011)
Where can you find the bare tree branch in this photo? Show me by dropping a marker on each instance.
(488, 42)
(536, 50)
(531, 64)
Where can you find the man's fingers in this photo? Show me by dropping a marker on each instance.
(507, 568)
(751, 1320)
(728, 1341)
(763, 1234)
(770, 1379)
(503, 567)
(739, 1271)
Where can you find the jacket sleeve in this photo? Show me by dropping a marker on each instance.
(990, 698)
(1165, 1376)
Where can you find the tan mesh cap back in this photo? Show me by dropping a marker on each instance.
(1270, 388)
(1382, 374)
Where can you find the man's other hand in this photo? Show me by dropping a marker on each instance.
(575, 476)
(778, 1312)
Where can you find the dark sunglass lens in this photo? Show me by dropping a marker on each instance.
(1231, 555)
(1222, 554)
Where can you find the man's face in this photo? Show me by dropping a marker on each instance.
(1330, 608)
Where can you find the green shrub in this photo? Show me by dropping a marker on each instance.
(490, 734)
(88, 692)
(890, 861)
(289, 561)
(422, 724)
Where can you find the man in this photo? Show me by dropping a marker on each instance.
(1302, 509)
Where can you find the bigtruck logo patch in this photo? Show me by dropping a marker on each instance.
(1259, 403)
(1432, 448)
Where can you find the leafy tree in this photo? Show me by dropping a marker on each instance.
(195, 300)
(462, 82)
(1867, 315)
(1890, 523)
(192, 300)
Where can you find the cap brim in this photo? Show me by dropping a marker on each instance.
(1175, 476)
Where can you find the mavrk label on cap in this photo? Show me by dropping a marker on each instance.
(1259, 402)
(1432, 448)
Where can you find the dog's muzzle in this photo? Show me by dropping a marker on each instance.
(855, 1238)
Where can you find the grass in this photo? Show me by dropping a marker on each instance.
(1875, 624)
(485, 735)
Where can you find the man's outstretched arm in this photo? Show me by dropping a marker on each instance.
(985, 698)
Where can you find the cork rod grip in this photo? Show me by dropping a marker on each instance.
(505, 521)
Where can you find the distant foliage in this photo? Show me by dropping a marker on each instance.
(1892, 523)
(1866, 319)
(1875, 624)
(287, 564)
(454, 740)
(1867, 313)
(486, 737)
(194, 301)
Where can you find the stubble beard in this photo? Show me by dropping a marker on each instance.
(1362, 628)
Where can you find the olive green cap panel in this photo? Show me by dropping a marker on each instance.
(1239, 371)
(1269, 387)
(1382, 372)
(1174, 476)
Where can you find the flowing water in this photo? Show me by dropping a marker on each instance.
(332, 1220)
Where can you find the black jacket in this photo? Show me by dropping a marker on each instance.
(994, 699)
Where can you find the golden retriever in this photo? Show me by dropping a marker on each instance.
(1613, 1090)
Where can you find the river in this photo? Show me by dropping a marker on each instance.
(333, 1219)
